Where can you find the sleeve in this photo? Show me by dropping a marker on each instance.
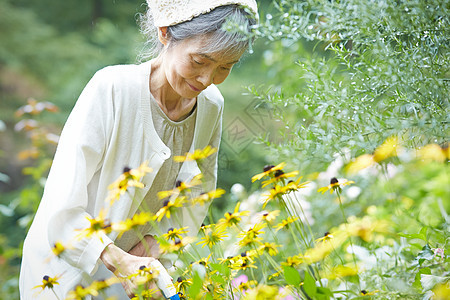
(79, 155)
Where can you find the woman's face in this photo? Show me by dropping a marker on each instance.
(189, 71)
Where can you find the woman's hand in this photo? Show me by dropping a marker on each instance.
(148, 247)
(123, 264)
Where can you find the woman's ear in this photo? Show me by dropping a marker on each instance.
(162, 35)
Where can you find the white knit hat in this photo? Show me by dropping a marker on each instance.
(171, 12)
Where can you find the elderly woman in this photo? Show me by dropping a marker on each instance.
(126, 115)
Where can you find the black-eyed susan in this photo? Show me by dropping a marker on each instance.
(213, 236)
(181, 187)
(198, 155)
(80, 293)
(98, 226)
(285, 223)
(335, 185)
(270, 248)
(279, 176)
(293, 186)
(130, 224)
(233, 218)
(175, 246)
(293, 261)
(175, 233)
(274, 193)
(243, 262)
(58, 248)
(244, 286)
(327, 236)
(146, 294)
(169, 207)
(129, 178)
(205, 198)
(182, 284)
(251, 236)
(47, 283)
(368, 293)
(269, 169)
(270, 216)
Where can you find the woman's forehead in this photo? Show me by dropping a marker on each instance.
(201, 46)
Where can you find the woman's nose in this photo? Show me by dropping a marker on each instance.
(206, 77)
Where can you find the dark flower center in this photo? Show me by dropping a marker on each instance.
(244, 254)
(166, 203)
(126, 169)
(178, 183)
(268, 167)
(333, 180)
(170, 229)
(46, 278)
(278, 173)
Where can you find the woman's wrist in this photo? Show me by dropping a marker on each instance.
(112, 257)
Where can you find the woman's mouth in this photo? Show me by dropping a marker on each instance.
(194, 88)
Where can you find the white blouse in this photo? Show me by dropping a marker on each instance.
(110, 127)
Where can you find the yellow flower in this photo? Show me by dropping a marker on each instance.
(48, 282)
(340, 272)
(367, 293)
(359, 163)
(441, 291)
(169, 207)
(261, 292)
(243, 262)
(129, 178)
(146, 294)
(269, 169)
(285, 223)
(275, 193)
(270, 248)
(198, 154)
(365, 227)
(129, 224)
(98, 227)
(432, 152)
(58, 248)
(278, 176)
(212, 237)
(296, 185)
(232, 218)
(269, 217)
(243, 286)
(293, 261)
(327, 236)
(181, 285)
(181, 187)
(251, 237)
(388, 149)
(208, 197)
(80, 293)
(174, 233)
(324, 247)
(335, 185)
(175, 246)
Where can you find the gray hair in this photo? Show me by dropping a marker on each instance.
(228, 28)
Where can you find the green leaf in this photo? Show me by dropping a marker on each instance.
(416, 282)
(309, 285)
(292, 276)
(221, 269)
(195, 287)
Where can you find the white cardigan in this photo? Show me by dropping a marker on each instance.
(109, 128)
